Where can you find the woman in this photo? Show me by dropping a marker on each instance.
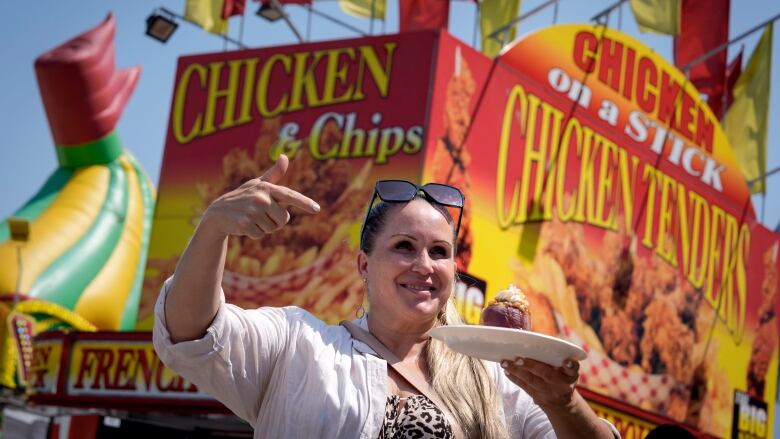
(290, 375)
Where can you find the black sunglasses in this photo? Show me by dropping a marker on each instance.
(402, 191)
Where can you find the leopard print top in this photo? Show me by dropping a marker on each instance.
(418, 418)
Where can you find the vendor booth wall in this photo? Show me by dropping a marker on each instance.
(596, 179)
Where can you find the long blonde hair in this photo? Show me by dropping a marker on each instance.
(464, 385)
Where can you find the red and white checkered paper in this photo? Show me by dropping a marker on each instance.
(629, 384)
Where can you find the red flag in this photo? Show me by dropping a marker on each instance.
(721, 98)
(423, 14)
(233, 7)
(704, 25)
(732, 74)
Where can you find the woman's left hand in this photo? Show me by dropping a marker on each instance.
(550, 387)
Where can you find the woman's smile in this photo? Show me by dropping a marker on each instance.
(418, 288)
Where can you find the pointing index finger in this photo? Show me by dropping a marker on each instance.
(277, 171)
(288, 197)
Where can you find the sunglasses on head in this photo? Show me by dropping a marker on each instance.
(402, 191)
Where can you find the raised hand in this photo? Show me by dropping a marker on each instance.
(258, 206)
(550, 387)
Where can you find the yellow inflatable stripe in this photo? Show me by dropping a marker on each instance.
(57, 228)
(57, 313)
(7, 350)
(103, 300)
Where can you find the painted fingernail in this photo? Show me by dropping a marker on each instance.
(316, 207)
(504, 364)
(519, 362)
(569, 364)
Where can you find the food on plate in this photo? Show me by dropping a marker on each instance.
(508, 310)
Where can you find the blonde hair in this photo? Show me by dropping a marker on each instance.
(464, 385)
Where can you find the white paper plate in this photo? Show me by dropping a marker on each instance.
(495, 344)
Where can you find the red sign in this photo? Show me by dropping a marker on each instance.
(345, 112)
(108, 369)
(603, 186)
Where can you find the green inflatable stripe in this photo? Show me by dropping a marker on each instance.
(101, 151)
(40, 201)
(65, 279)
(130, 313)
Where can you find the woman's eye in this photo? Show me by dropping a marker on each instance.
(404, 245)
(440, 251)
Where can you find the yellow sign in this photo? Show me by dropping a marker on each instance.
(45, 366)
(630, 427)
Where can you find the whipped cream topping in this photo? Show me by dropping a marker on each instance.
(513, 297)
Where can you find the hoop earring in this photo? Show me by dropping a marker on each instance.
(361, 311)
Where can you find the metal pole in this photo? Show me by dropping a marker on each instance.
(181, 17)
(241, 29)
(763, 205)
(286, 19)
(516, 20)
(607, 10)
(371, 23)
(308, 22)
(761, 177)
(555, 13)
(727, 44)
(19, 278)
(476, 25)
(337, 21)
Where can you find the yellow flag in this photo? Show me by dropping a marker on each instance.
(494, 14)
(746, 121)
(364, 8)
(661, 16)
(207, 14)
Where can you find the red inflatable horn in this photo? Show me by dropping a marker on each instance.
(83, 92)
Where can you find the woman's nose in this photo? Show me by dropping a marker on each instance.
(423, 263)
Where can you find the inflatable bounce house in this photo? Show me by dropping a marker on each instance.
(73, 256)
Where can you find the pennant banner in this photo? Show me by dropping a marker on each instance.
(423, 14)
(746, 122)
(705, 26)
(364, 8)
(207, 14)
(233, 7)
(493, 15)
(661, 16)
(733, 72)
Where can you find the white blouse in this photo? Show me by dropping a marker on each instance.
(290, 375)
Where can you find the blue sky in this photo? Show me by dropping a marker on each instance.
(28, 155)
